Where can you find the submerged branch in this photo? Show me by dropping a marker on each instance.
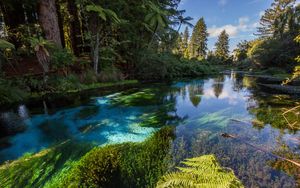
(226, 135)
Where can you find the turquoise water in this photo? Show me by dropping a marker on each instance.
(201, 110)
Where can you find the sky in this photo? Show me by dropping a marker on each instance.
(240, 18)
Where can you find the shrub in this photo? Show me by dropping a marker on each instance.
(61, 58)
(98, 168)
(70, 82)
(165, 66)
(89, 77)
(274, 52)
(110, 74)
(123, 165)
(10, 93)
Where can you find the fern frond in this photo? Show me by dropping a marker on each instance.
(204, 172)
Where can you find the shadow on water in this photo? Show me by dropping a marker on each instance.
(200, 109)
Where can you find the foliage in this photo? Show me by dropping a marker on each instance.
(198, 43)
(282, 17)
(166, 66)
(123, 165)
(61, 58)
(10, 93)
(61, 83)
(41, 48)
(273, 52)
(296, 73)
(222, 46)
(240, 52)
(110, 74)
(5, 47)
(203, 172)
(36, 170)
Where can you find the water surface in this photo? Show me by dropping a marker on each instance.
(200, 109)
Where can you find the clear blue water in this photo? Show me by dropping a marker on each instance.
(200, 109)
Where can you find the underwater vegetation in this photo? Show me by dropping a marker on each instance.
(34, 170)
(138, 137)
(121, 165)
(271, 110)
(202, 171)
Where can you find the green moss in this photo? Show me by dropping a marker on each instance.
(123, 165)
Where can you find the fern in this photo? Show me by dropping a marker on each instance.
(204, 172)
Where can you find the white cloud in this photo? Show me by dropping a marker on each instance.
(233, 30)
(230, 29)
(222, 2)
(261, 13)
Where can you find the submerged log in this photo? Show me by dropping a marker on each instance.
(283, 88)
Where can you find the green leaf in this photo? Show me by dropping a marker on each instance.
(5, 45)
(204, 172)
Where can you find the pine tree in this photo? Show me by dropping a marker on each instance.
(277, 19)
(185, 42)
(179, 45)
(222, 46)
(198, 44)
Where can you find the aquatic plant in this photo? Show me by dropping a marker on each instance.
(201, 172)
(35, 170)
(122, 165)
(161, 117)
(149, 96)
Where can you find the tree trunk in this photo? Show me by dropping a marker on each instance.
(96, 53)
(75, 28)
(49, 21)
(60, 19)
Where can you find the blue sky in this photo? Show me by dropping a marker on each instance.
(239, 18)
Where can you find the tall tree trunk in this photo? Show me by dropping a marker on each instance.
(60, 19)
(49, 21)
(75, 28)
(96, 53)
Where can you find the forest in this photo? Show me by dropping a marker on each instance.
(122, 93)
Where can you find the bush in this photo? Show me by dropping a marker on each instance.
(110, 74)
(61, 58)
(98, 168)
(70, 82)
(89, 77)
(165, 66)
(123, 165)
(274, 52)
(10, 93)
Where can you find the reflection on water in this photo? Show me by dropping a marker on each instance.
(201, 109)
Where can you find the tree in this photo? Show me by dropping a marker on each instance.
(222, 46)
(49, 21)
(198, 43)
(181, 20)
(75, 27)
(156, 19)
(185, 42)
(240, 53)
(97, 15)
(278, 19)
(296, 73)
